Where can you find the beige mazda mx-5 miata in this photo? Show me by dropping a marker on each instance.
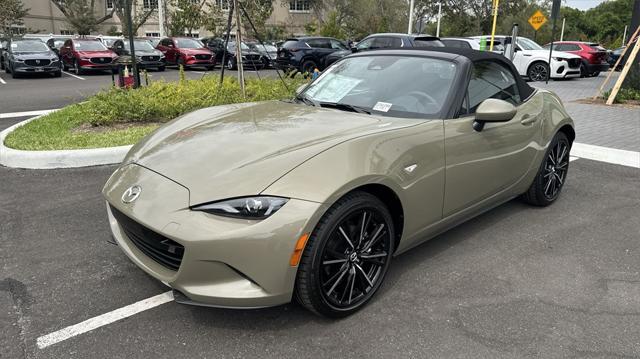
(250, 205)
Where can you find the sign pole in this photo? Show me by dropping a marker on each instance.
(555, 10)
(495, 18)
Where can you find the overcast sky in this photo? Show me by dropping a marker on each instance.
(582, 4)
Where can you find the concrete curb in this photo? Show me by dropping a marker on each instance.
(10, 157)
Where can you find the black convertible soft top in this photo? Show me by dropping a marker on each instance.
(475, 56)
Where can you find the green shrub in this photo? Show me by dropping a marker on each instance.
(117, 117)
(624, 95)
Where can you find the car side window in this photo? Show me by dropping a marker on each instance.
(337, 45)
(319, 43)
(365, 44)
(490, 80)
(457, 43)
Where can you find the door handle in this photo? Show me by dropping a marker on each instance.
(528, 120)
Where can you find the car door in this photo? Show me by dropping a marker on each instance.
(483, 164)
(321, 48)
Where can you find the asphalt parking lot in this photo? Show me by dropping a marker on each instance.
(516, 282)
(43, 92)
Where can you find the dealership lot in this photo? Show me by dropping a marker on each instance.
(42, 92)
(515, 282)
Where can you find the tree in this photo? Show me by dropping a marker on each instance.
(258, 11)
(81, 14)
(186, 16)
(137, 20)
(11, 14)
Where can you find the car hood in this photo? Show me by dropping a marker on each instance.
(99, 53)
(238, 150)
(34, 55)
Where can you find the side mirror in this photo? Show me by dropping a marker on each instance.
(493, 110)
(301, 88)
(354, 49)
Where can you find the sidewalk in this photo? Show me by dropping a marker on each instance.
(608, 126)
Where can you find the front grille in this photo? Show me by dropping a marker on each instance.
(37, 62)
(574, 63)
(156, 246)
(101, 60)
(203, 57)
(150, 58)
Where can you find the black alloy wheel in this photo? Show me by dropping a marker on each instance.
(538, 71)
(346, 257)
(552, 175)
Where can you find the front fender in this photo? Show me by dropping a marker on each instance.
(409, 161)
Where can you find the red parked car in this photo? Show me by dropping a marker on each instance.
(86, 54)
(594, 56)
(187, 52)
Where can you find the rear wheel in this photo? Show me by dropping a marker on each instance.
(347, 256)
(538, 71)
(552, 174)
(231, 64)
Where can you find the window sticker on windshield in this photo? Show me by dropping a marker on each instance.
(382, 106)
(333, 89)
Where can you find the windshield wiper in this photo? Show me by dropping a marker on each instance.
(345, 107)
(305, 99)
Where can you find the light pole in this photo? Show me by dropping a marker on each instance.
(439, 17)
(411, 4)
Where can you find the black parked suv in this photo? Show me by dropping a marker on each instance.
(387, 41)
(30, 56)
(251, 59)
(307, 53)
(147, 55)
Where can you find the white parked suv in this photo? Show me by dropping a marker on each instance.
(532, 60)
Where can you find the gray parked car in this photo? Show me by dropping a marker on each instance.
(25, 56)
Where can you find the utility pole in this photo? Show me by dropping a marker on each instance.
(239, 49)
(439, 17)
(410, 29)
(161, 19)
(562, 31)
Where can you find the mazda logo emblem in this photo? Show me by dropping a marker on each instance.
(131, 194)
(38, 62)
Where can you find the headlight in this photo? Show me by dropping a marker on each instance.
(259, 207)
(16, 59)
(85, 59)
(560, 59)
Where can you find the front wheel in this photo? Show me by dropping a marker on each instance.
(552, 174)
(231, 65)
(538, 71)
(346, 257)
(76, 68)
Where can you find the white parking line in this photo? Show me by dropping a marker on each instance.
(606, 154)
(572, 158)
(26, 113)
(104, 319)
(198, 72)
(2, 81)
(72, 75)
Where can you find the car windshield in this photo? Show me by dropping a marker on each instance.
(527, 44)
(267, 48)
(108, 42)
(398, 86)
(188, 44)
(89, 46)
(29, 46)
(154, 42)
(57, 43)
(142, 45)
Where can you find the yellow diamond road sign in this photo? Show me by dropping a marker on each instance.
(538, 19)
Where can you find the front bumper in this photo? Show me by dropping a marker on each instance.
(562, 70)
(193, 62)
(227, 262)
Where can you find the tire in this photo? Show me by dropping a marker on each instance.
(308, 66)
(329, 258)
(552, 175)
(595, 74)
(161, 68)
(538, 71)
(64, 66)
(7, 70)
(57, 74)
(14, 74)
(583, 71)
(76, 68)
(1, 65)
(231, 64)
(209, 68)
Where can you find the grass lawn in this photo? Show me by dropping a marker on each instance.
(117, 117)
